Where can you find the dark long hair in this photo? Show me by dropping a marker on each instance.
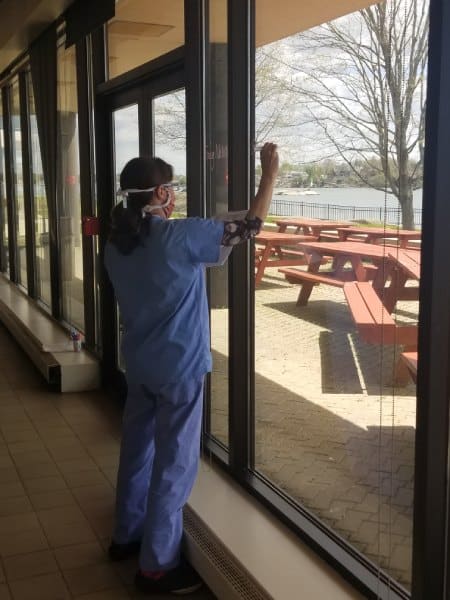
(128, 227)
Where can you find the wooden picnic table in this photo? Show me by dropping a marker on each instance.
(309, 226)
(402, 266)
(274, 252)
(373, 235)
(342, 254)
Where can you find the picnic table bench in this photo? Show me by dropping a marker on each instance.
(374, 323)
(299, 276)
(409, 360)
(275, 249)
(343, 253)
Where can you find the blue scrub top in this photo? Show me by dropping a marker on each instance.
(160, 288)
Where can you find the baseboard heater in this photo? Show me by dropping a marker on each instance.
(226, 577)
(46, 343)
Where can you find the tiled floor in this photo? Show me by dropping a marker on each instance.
(58, 460)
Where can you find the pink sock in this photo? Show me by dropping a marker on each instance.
(153, 574)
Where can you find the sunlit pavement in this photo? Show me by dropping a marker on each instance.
(331, 430)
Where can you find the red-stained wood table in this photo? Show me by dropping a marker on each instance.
(373, 235)
(278, 250)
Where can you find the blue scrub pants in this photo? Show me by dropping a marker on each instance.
(159, 458)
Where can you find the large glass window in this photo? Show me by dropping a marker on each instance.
(217, 203)
(41, 224)
(126, 147)
(68, 200)
(169, 125)
(337, 267)
(142, 31)
(3, 200)
(19, 212)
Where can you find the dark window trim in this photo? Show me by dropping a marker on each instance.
(27, 173)
(431, 571)
(3, 263)
(173, 60)
(195, 27)
(240, 270)
(135, 87)
(9, 180)
(86, 158)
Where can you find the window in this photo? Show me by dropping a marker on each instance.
(335, 404)
(3, 201)
(19, 201)
(68, 198)
(41, 222)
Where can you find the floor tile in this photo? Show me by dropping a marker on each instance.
(22, 542)
(92, 578)
(43, 587)
(84, 478)
(115, 594)
(76, 465)
(54, 499)
(8, 475)
(69, 533)
(80, 555)
(45, 484)
(33, 471)
(29, 565)
(15, 505)
(16, 523)
(9, 490)
(61, 516)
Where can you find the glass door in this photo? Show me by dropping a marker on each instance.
(125, 147)
(148, 120)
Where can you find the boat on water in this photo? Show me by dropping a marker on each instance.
(296, 192)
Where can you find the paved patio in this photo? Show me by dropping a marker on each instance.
(331, 430)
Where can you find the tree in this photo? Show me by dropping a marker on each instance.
(361, 79)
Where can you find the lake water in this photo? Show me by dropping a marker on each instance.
(358, 197)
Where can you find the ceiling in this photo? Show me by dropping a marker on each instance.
(147, 29)
(21, 22)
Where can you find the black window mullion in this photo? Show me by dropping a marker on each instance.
(145, 125)
(3, 208)
(431, 571)
(9, 181)
(85, 135)
(240, 271)
(195, 27)
(30, 238)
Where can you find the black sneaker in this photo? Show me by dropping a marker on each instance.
(118, 552)
(181, 580)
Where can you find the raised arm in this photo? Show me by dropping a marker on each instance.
(236, 232)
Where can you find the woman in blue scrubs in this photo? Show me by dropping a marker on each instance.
(156, 266)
